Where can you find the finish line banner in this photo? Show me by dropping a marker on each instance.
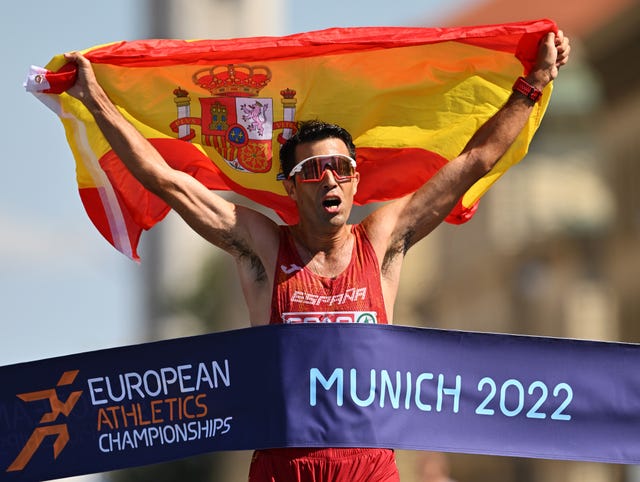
(337, 385)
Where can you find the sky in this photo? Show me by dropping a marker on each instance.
(63, 288)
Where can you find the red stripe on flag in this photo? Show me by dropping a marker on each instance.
(514, 38)
(97, 212)
(155, 53)
(387, 173)
(143, 209)
(390, 173)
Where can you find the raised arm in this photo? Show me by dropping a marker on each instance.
(399, 225)
(222, 223)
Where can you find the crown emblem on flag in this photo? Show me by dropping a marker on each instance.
(233, 80)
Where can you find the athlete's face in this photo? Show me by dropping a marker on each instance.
(325, 200)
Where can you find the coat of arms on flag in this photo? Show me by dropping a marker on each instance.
(234, 120)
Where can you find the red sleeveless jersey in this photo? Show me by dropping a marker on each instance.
(301, 296)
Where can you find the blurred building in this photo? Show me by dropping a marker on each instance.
(553, 248)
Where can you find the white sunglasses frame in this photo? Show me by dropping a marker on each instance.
(298, 167)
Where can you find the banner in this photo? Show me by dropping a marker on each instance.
(335, 385)
(219, 110)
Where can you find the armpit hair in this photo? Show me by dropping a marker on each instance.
(398, 247)
(247, 255)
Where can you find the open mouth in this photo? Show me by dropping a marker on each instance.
(331, 203)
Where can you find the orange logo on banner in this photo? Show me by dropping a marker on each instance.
(41, 432)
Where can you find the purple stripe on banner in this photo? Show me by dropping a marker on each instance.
(320, 385)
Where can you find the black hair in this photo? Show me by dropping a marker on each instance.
(309, 131)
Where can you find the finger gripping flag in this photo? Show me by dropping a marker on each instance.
(220, 109)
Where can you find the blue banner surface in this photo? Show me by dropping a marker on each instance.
(320, 385)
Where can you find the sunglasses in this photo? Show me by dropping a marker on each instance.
(313, 169)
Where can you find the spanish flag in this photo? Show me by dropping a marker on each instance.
(220, 109)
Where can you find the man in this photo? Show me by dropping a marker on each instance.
(347, 270)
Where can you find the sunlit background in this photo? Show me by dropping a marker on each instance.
(552, 251)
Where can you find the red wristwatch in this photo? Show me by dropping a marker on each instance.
(526, 89)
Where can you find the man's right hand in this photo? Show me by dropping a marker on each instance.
(86, 84)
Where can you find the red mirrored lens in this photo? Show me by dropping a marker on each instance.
(314, 169)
